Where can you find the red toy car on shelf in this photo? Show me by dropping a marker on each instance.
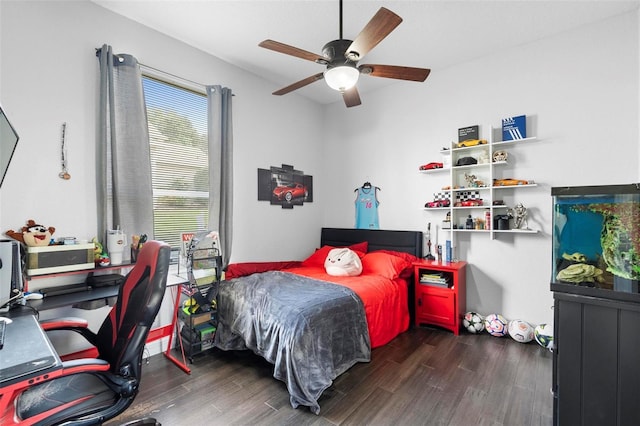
(438, 203)
(470, 203)
(431, 166)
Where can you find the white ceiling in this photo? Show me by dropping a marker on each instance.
(435, 34)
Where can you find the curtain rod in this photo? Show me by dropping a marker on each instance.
(161, 72)
(182, 79)
(186, 80)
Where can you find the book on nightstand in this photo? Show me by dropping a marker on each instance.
(435, 278)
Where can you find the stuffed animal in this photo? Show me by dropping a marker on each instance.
(33, 235)
(343, 262)
(100, 255)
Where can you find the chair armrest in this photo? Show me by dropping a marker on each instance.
(65, 323)
(84, 365)
(78, 325)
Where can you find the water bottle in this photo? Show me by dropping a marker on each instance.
(487, 219)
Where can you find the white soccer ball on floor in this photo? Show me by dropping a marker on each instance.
(521, 331)
(473, 322)
(496, 325)
(544, 336)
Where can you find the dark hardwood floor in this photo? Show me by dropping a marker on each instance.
(425, 376)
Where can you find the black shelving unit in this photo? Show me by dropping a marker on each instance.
(196, 330)
(198, 320)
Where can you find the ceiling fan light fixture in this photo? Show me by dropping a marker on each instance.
(341, 78)
(341, 57)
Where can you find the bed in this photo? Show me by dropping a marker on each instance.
(311, 326)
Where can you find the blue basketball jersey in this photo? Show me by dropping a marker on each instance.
(367, 209)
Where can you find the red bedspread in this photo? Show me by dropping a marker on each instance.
(385, 301)
(382, 286)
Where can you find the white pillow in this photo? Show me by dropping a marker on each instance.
(343, 262)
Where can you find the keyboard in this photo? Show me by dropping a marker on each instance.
(3, 327)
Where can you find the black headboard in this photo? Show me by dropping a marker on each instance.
(379, 239)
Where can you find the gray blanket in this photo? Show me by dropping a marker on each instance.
(312, 331)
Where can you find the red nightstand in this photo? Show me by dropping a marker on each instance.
(437, 303)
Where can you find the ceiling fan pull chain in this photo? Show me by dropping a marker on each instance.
(340, 19)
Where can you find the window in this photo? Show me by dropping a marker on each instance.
(177, 119)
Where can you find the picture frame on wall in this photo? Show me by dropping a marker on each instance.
(284, 186)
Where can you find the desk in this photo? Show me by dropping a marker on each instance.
(27, 358)
(76, 298)
(104, 295)
(27, 351)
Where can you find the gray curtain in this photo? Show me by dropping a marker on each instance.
(220, 131)
(123, 169)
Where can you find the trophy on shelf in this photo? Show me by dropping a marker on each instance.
(519, 214)
(429, 256)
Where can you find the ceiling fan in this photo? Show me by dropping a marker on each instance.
(341, 59)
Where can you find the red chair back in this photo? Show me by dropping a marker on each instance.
(122, 336)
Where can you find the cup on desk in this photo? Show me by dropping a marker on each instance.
(116, 242)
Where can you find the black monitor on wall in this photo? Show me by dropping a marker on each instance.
(10, 262)
(10, 274)
(8, 141)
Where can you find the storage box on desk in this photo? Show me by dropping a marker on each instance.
(59, 258)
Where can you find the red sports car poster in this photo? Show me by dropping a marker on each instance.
(284, 186)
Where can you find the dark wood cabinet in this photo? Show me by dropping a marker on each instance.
(440, 302)
(596, 368)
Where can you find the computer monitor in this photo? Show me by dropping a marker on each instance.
(10, 273)
(8, 141)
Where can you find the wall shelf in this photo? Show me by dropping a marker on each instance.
(485, 173)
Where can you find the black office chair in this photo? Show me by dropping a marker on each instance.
(94, 390)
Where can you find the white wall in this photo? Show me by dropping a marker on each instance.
(580, 88)
(49, 76)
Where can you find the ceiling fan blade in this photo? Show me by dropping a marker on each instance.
(299, 84)
(293, 51)
(394, 71)
(382, 23)
(351, 97)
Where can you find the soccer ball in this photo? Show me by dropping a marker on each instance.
(473, 322)
(520, 331)
(496, 325)
(544, 336)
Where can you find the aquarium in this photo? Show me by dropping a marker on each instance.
(596, 240)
